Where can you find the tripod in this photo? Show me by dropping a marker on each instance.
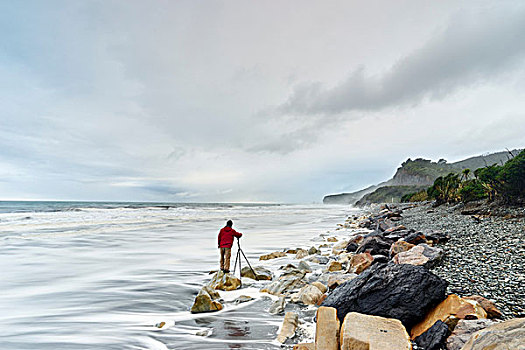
(238, 258)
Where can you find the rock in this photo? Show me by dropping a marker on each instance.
(318, 259)
(415, 238)
(320, 286)
(288, 267)
(357, 239)
(308, 295)
(337, 279)
(487, 305)
(331, 239)
(405, 292)
(242, 299)
(395, 229)
(374, 245)
(380, 259)
(160, 324)
(360, 262)
(505, 335)
(204, 333)
(398, 235)
(301, 253)
(451, 306)
(352, 247)
(437, 236)
(365, 332)
(422, 255)
(365, 223)
(304, 346)
(471, 211)
(278, 306)
(273, 255)
(291, 251)
(320, 301)
(464, 330)
(303, 266)
(384, 224)
(339, 248)
(313, 250)
(212, 292)
(260, 273)
(399, 247)
(344, 257)
(434, 337)
(204, 301)
(286, 282)
(224, 281)
(288, 327)
(394, 214)
(334, 266)
(327, 329)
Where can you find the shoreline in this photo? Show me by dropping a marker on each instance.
(331, 254)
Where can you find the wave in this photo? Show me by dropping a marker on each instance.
(66, 206)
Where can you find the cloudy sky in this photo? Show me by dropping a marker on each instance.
(281, 101)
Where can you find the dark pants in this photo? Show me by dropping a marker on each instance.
(226, 253)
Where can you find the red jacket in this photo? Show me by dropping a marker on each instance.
(226, 237)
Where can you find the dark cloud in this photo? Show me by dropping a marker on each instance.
(472, 48)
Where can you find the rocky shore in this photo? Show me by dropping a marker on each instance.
(400, 277)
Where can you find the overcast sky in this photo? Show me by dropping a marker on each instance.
(280, 101)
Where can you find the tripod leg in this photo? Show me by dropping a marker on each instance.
(240, 269)
(237, 257)
(251, 268)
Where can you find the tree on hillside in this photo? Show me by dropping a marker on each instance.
(444, 189)
(511, 178)
(466, 173)
(489, 179)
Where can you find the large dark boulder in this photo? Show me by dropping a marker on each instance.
(405, 292)
(375, 245)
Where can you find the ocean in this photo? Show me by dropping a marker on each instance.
(94, 275)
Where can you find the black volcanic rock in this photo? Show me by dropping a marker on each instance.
(351, 247)
(375, 245)
(434, 338)
(405, 292)
(437, 236)
(415, 238)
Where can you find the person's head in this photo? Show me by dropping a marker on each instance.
(229, 223)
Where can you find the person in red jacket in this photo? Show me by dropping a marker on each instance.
(226, 235)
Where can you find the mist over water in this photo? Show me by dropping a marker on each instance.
(102, 275)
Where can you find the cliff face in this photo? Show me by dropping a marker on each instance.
(418, 173)
(411, 174)
(405, 178)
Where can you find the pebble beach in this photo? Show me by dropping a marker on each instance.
(485, 254)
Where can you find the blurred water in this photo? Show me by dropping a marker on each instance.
(102, 275)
